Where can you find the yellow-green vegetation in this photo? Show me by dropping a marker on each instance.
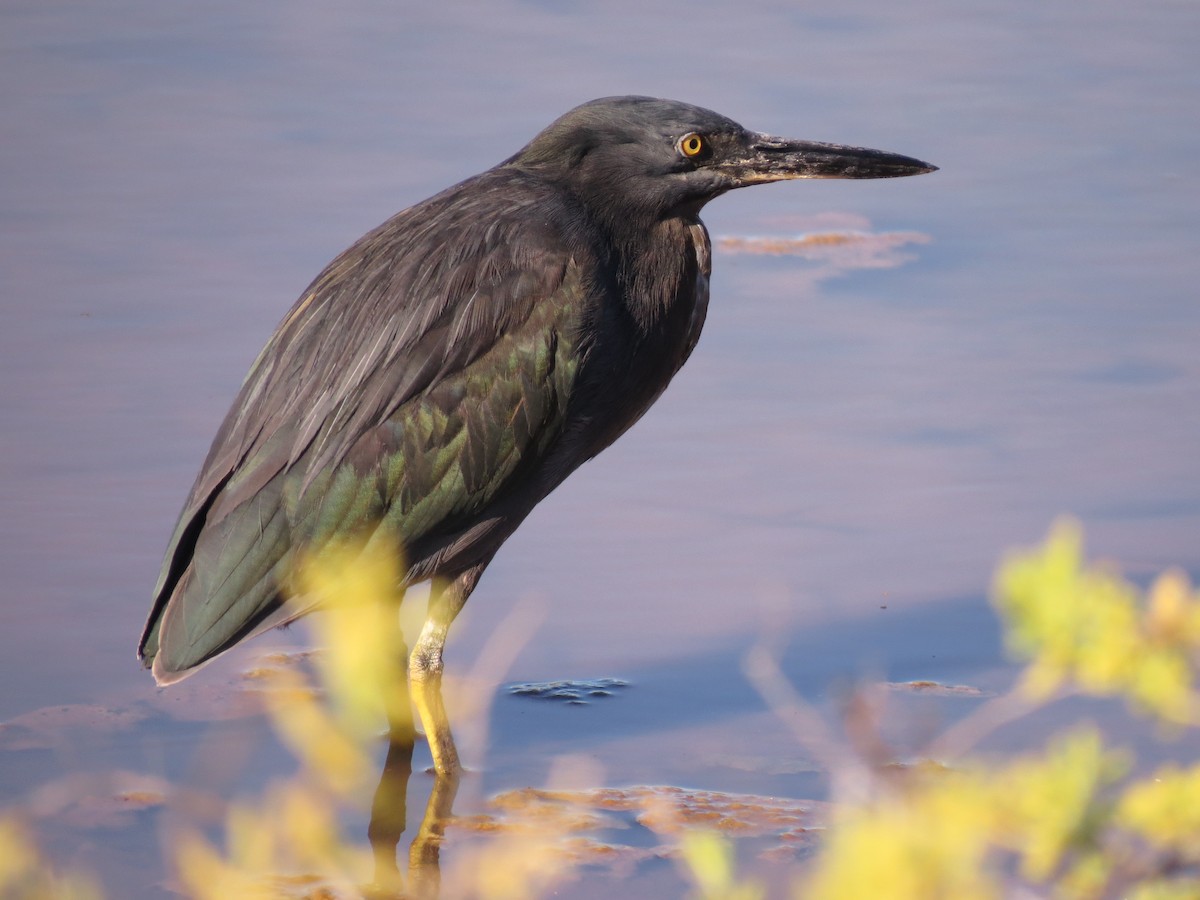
(939, 834)
(26, 875)
(709, 859)
(1088, 629)
(1075, 819)
(289, 842)
(1071, 820)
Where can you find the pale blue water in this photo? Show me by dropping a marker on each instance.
(849, 435)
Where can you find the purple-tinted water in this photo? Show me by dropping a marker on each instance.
(853, 434)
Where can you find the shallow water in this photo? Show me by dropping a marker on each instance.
(857, 438)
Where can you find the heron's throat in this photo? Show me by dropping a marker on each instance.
(663, 270)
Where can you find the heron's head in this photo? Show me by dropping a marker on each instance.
(640, 156)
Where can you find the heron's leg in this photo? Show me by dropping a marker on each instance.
(425, 666)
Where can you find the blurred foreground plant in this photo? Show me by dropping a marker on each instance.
(1075, 820)
(25, 874)
(1067, 822)
(709, 859)
(289, 839)
(289, 842)
(1089, 628)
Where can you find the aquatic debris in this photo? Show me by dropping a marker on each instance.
(267, 663)
(665, 811)
(872, 249)
(240, 695)
(575, 693)
(98, 800)
(935, 688)
(52, 726)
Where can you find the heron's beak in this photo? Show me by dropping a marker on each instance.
(776, 159)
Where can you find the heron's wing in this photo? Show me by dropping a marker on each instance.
(408, 382)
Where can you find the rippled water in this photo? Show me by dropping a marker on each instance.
(859, 435)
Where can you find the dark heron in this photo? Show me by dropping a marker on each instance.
(456, 364)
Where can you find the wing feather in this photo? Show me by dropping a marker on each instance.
(366, 404)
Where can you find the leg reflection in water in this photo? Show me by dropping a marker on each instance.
(389, 814)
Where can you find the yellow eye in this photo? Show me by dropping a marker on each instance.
(691, 145)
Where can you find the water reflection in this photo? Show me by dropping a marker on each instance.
(389, 818)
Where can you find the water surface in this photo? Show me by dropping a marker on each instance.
(853, 444)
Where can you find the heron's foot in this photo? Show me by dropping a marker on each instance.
(455, 776)
(446, 763)
(427, 698)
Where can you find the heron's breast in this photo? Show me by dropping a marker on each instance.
(702, 248)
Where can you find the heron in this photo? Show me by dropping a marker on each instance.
(453, 366)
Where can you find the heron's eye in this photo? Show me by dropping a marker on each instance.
(691, 145)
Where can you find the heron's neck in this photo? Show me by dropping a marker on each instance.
(658, 268)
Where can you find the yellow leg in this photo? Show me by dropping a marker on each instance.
(425, 667)
(427, 697)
